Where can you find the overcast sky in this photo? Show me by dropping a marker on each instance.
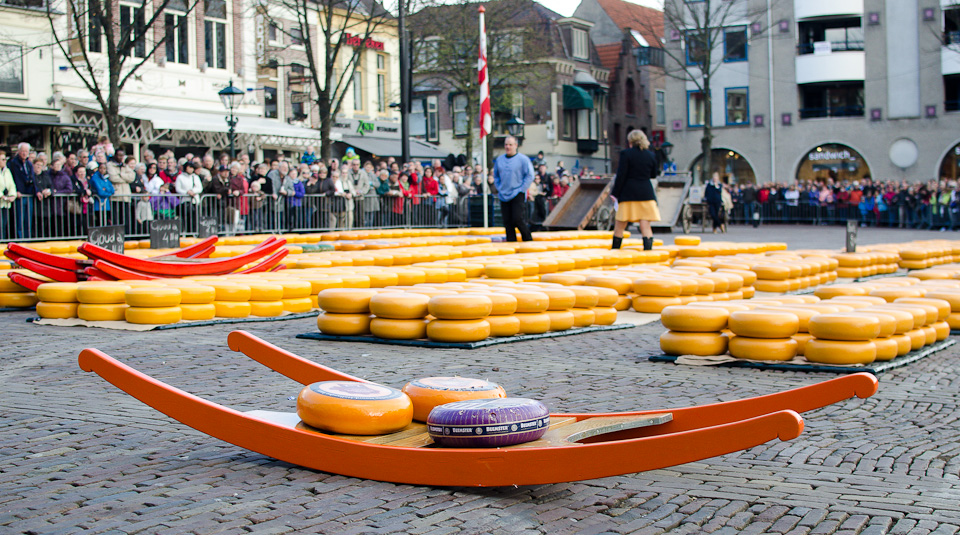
(567, 7)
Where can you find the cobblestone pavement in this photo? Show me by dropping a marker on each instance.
(78, 455)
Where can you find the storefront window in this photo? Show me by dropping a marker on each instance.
(732, 166)
(950, 166)
(832, 161)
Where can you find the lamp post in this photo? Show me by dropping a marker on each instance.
(231, 97)
(515, 127)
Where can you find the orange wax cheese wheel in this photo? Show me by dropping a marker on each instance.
(840, 352)
(654, 305)
(904, 320)
(559, 298)
(503, 271)
(346, 300)
(297, 305)
(624, 302)
(621, 285)
(772, 272)
(918, 338)
(771, 286)
(153, 316)
(57, 292)
(606, 297)
(840, 290)
(354, 408)
(888, 323)
(694, 319)
(941, 327)
(231, 292)
(197, 311)
(101, 293)
(931, 333)
(503, 304)
(560, 320)
(566, 279)
(801, 339)
(904, 344)
(399, 306)
(764, 324)
(743, 347)
(55, 310)
(398, 329)
(662, 287)
(942, 306)
(604, 315)
(585, 297)
(265, 291)
(803, 315)
(431, 392)
(729, 307)
(892, 294)
(920, 316)
(533, 323)
(463, 330)
(953, 320)
(583, 317)
(101, 311)
(195, 294)
(460, 307)
(872, 299)
(886, 348)
(701, 344)
(501, 326)
(720, 283)
(952, 297)
(844, 327)
(343, 324)
(382, 279)
(530, 302)
(152, 297)
(232, 309)
(18, 299)
(749, 277)
(266, 309)
(686, 240)
(8, 286)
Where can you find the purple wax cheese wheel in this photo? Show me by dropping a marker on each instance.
(488, 423)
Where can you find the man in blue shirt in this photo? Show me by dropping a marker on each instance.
(512, 175)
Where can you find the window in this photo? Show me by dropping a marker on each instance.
(696, 108)
(460, 115)
(649, 55)
(297, 99)
(94, 34)
(830, 35)
(177, 37)
(951, 25)
(735, 44)
(738, 108)
(274, 32)
(133, 25)
(429, 52)
(357, 89)
(506, 44)
(215, 34)
(586, 124)
(843, 99)
(296, 36)
(616, 134)
(661, 107)
(629, 97)
(696, 47)
(11, 69)
(580, 49)
(951, 92)
(433, 129)
(568, 122)
(270, 102)
(381, 83)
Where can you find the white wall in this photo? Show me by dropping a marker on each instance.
(838, 66)
(818, 8)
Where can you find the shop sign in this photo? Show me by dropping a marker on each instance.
(356, 40)
(363, 128)
(260, 37)
(823, 156)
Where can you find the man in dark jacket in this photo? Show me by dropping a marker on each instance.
(24, 177)
(751, 208)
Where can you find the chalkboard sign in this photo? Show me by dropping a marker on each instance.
(165, 234)
(208, 227)
(851, 235)
(109, 237)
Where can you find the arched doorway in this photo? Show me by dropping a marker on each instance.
(832, 161)
(950, 164)
(732, 166)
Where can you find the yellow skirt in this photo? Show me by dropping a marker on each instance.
(638, 210)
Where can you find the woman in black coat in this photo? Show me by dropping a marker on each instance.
(633, 190)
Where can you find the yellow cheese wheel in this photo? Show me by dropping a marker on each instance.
(654, 305)
(748, 292)
(840, 290)
(501, 326)
(772, 272)
(153, 315)
(56, 292)
(559, 298)
(57, 310)
(230, 292)
(101, 311)
(346, 300)
(343, 324)
(266, 309)
(462, 330)
(771, 286)
(662, 287)
(621, 285)
(694, 318)
(101, 293)
(585, 297)
(931, 333)
(920, 313)
(953, 320)
(503, 271)
(886, 348)
(398, 329)
(893, 293)
(604, 315)
(400, 306)
(950, 296)
(295, 289)
(318, 284)
(460, 307)
(431, 392)
(297, 305)
(583, 317)
(904, 344)
(533, 323)
(801, 339)
(18, 299)
(749, 277)
(873, 300)
(152, 298)
(566, 279)
(354, 408)
(197, 311)
(8, 286)
(943, 307)
(232, 309)
(686, 240)
(560, 320)
(764, 324)
(265, 291)
(941, 327)
(503, 304)
(918, 338)
(623, 303)
(888, 322)
(743, 347)
(702, 344)
(840, 352)
(606, 297)
(529, 302)
(382, 279)
(195, 294)
(844, 327)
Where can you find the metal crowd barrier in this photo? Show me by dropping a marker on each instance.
(806, 212)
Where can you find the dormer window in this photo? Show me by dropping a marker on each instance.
(580, 48)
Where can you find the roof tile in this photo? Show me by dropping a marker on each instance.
(646, 20)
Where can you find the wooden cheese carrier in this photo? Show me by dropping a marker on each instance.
(576, 446)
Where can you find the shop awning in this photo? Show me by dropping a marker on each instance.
(29, 118)
(575, 98)
(391, 147)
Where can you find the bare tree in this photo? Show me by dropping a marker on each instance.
(445, 47)
(334, 33)
(106, 44)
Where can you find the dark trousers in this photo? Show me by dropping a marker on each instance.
(715, 214)
(513, 218)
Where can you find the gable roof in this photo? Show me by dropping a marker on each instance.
(609, 55)
(645, 20)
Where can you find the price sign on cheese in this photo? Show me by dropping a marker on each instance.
(165, 234)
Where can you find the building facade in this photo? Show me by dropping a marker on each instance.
(807, 90)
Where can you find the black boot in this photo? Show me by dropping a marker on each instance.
(647, 243)
(616, 242)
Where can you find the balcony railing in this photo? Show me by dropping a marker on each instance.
(836, 111)
(835, 46)
(648, 55)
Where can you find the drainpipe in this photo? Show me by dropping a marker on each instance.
(773, 123)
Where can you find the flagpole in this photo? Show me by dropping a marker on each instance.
(485, 118)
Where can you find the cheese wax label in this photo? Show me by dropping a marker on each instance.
(454, 383)
(355, 390)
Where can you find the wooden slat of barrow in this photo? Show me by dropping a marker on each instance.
(556, 438)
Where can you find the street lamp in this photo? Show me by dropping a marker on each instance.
(232, 97)
(515, 127)
(667, 148)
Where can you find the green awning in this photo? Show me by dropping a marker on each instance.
(575, 98)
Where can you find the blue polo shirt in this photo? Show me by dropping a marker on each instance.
(512, 175)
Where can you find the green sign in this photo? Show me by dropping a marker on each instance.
(363, 127)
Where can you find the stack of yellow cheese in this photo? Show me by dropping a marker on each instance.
(346, 311)
(152, 305)
(266, 298)
(58, 300)
(12, 295)
(101, 301)
(763, 335)
(196, 300)
(459, 318)
(694, 330)
(399, 315)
